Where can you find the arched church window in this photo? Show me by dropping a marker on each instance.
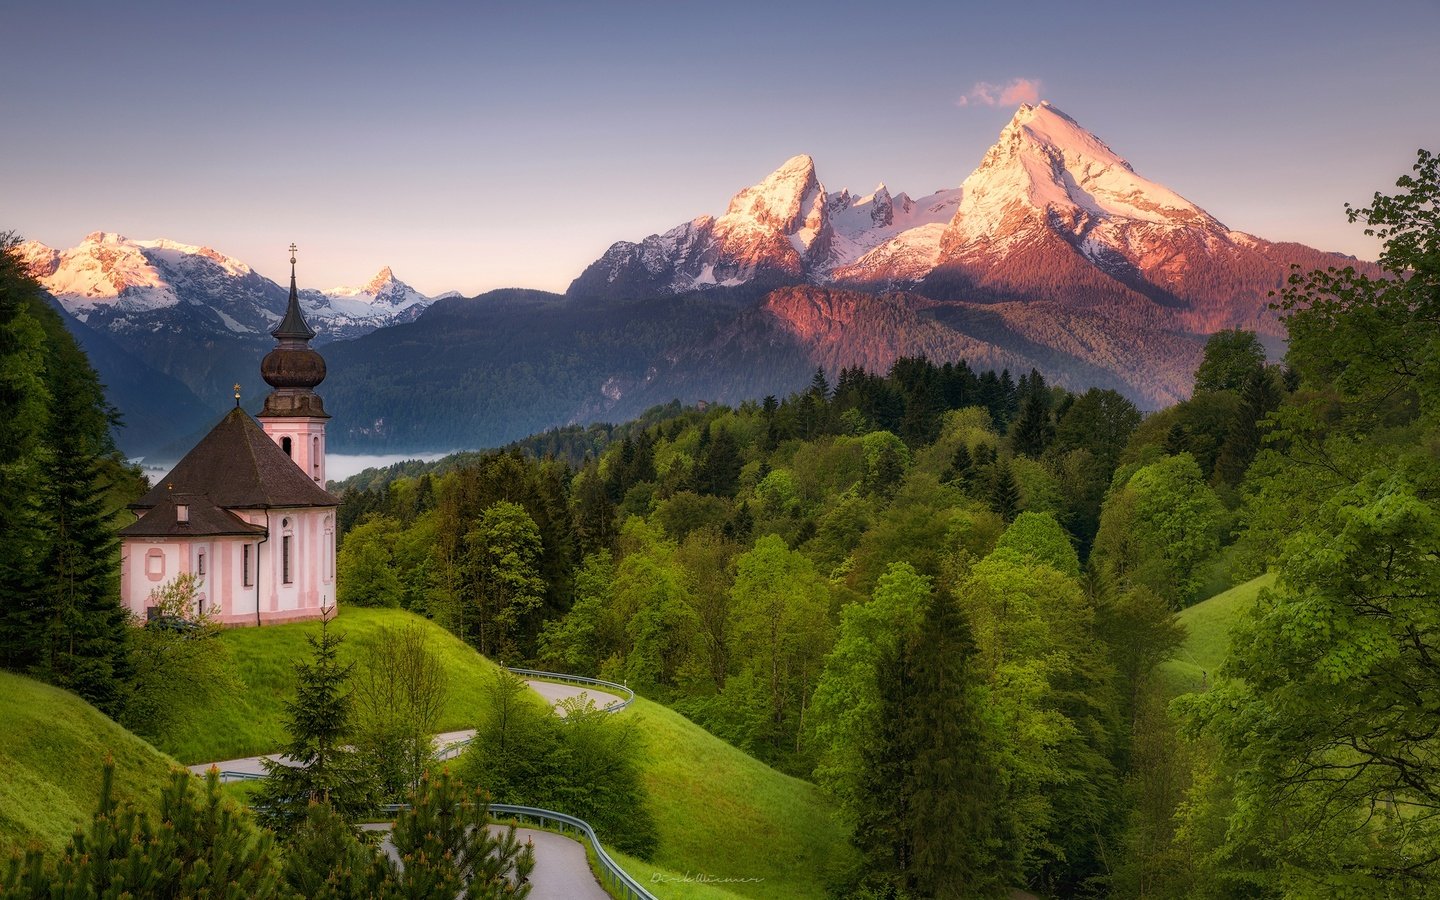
(315, 457)
(285, 445)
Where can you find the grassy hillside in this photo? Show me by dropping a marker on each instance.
(723, 814)
(1208, 642)
(53, 747)
(250, 723)
(720, 812)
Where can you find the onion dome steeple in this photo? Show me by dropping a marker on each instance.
(293, 369)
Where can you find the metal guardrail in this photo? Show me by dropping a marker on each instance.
(628, 694)
(612, 877)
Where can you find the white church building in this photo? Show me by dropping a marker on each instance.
(246, 510)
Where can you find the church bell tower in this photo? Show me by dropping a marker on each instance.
(294, 415)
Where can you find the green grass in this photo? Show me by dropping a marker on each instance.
(53, 747)
(250, 723)
(671, 885)
(1208, 642)
(719, 811)
(722, 813)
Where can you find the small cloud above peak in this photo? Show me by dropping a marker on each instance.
(1016, 90)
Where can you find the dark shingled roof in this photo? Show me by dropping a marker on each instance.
(238, 466)
(206, 520)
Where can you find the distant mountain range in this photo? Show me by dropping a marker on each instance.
(173, 326)
(1053, 253)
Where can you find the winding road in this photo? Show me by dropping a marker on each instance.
(561, 869)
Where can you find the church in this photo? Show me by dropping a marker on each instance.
(246, 511)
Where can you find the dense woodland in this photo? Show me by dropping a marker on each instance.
(945, 595)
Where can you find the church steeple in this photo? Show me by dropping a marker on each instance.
(294, 415)
(292, 327)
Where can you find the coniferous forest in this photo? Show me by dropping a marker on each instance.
(951, 598)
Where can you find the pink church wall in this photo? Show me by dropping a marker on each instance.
(150, 563)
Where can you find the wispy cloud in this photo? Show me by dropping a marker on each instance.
(1016, 90)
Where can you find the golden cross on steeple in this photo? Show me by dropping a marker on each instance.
(292, 254)
(237, 394)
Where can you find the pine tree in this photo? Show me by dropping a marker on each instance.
(60, 615)
(446, 847)
(325, 860)
(318, 766)
(201, 847)
(1032, 431)
(1004, 492)
(819, 386)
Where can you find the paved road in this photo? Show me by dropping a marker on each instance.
(447, 744)
(561, 870)
(555, 692)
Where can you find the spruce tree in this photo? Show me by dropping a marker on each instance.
(317, 766)
(1004, 491)
(960, 823)
(719, 470)
(1259, 398)
(61, 618)
(24, 416)
(933, 821)
(962, 468)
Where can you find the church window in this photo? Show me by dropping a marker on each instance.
(285, 445)
(155, 564)
(285, 559)
(315, 458)
(200, 563)
(245, 564)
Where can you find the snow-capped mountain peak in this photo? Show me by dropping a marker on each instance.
(382, 292)
(783, 201)
(382, 279)
(1046, 161)
(120, 284)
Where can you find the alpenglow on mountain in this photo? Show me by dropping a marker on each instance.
(113, 282)
(1051, 213)
(1054, 254)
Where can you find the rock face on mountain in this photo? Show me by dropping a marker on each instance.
(1054, 253)
(1051, 214)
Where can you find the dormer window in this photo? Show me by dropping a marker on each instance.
(182, 513)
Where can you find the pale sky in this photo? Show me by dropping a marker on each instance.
(471, 146)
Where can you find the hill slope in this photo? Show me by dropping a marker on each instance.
(53, 747)
(719, 811)
(726, 815)
(1208, 642)
(251, 722)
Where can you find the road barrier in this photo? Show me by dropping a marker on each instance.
(612, 877)
(629, 695)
